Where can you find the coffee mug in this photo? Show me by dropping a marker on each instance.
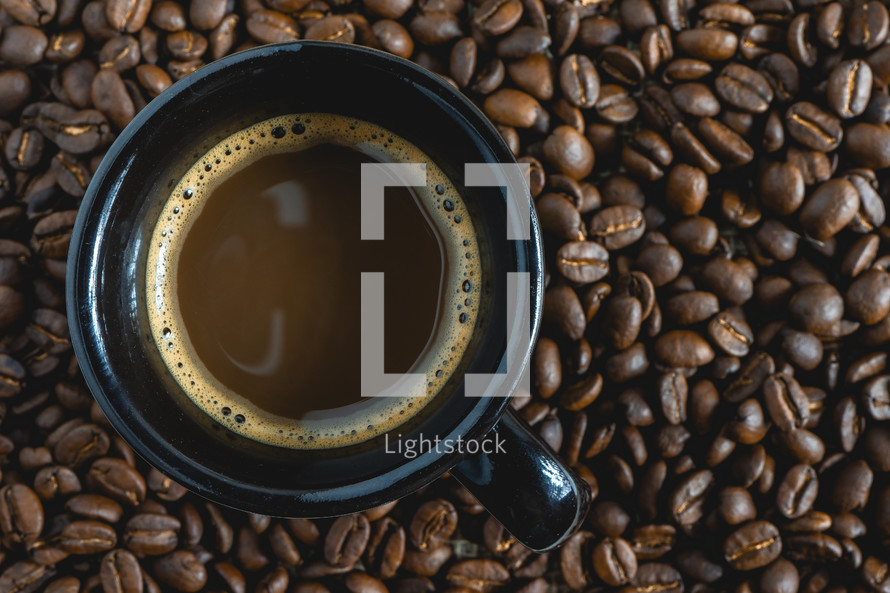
(508, 468)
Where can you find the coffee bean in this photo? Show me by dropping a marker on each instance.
(753, 545)
(727, 144)
(656, 48)
(24, 149)
(849, 88)
(21, 513)
(496, 17)
(569, 152)
(852, 488)
(523, 41)
(695, 98)
(830, 208)
(87, 537)
(120, 573)
(481, 575)
(786, 402)
(662, 263)
(81, 444)
(582, 262)
(617, 226)
(708, 44)
(512, 108)
(797, 491)
(269, 26)
(730, 334)
(865, 145)
(781, 187)
(180, 570)
(433, 524)
(813, 127)
(95, 506)
(687, 502)
(346, 540)
(735, 505)
(657, 576)
(117, 479)
(558, 215)
(579, 81)
(867, 25)
(151, 534)
(868, 297)
(22, 45)
(623, 318)
(614, 561)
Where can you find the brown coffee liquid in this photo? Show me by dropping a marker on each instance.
(253, 281)
(270, 280)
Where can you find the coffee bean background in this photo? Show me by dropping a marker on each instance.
(712, 183)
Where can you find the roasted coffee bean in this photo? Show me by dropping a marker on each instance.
(582, 262)
(786, 402)
(852, 488)
(180, 570)
(797, 491)
(151, 534)
(868, 297)
(616, 105)
(708, 44)
(753, 545)
(730, 334)
(813, 127)
(513, 108)
(781, 187)
(95, 506)
(117, 479)
(119, 572)
(346, 540)
(579, 81)
(743, 88)
(87, 537)
(523, 41)
(127, 16)
(24, 149)
(569, 152)
(829, 209)
(22, 45)
(623, 318)
(614, 561)
(727, 144)
(867, 24)
(657, 576)
(696, 99)
(735, 505)
(481, 575)
(617, 226)
(433, 524)
(687, 502)
(269, 26)
(849, 88)
(495, 17)
(21, 513)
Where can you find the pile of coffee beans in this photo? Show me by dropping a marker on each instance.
(712, 183)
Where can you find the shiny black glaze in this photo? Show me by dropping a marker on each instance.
(105, 286)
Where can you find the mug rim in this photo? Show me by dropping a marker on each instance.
(99, 375)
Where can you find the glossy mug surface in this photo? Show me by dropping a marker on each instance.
(120, 341)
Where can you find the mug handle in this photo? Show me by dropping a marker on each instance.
(525, 486)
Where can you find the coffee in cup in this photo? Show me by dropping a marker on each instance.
(253, 281)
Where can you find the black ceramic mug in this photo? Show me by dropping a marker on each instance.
(524, 485)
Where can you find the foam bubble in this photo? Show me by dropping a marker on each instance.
(444, 208)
